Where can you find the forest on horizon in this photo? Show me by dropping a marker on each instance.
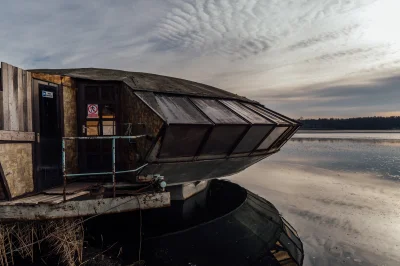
(356, 123)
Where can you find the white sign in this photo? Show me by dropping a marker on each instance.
(47, 94)
(93, 111)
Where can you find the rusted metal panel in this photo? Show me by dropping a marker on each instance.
(81, 208)
(16, 160)
(17, 136)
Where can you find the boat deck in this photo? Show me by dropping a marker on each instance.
(81, 200)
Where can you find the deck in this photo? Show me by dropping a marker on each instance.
(81, 200)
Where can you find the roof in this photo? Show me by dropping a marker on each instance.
(139, 81)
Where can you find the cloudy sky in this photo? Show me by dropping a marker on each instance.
(310, 58)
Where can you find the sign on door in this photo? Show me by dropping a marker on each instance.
(92, 111)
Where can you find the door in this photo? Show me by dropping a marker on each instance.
(48, 147)
(98, 114)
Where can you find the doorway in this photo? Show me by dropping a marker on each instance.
(48, 145)
(98, 116)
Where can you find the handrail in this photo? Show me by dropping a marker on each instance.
(113, 173)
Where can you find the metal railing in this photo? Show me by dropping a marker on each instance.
(113, 173)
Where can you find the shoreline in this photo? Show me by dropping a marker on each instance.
(345, 131)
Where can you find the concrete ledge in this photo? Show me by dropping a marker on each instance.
(83, 207)
(17, 136)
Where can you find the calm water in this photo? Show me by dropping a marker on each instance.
(377, 153)
(341, 191)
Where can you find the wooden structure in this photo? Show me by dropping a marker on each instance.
(193, 131)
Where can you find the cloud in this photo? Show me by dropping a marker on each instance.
(255, 48)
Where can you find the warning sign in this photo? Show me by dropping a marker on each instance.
(92, 111)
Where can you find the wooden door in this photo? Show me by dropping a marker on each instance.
(98, 116)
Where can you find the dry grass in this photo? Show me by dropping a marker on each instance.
(64, 237)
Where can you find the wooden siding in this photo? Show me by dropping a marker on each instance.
(16, 99)
(17, 136)
(16, 162)
(136, 112)
(69, 112)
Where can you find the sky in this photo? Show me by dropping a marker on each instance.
(304, 58)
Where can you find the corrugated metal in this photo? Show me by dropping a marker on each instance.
(217, 112)
(244, 112)
(179, 110)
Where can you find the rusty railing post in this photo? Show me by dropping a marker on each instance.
(113, 165)
(63, 170)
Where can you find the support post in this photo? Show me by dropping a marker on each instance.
(64, 170)
(113, 165)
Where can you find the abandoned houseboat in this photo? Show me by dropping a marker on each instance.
(79, 142)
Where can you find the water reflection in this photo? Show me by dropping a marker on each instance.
(342, 195)
(372, 155)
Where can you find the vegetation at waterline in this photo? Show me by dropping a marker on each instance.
(357, 123)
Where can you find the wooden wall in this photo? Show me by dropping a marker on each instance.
(136, 112)
(17, 167)
(15, 99)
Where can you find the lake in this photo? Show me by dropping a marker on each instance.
(341, 191)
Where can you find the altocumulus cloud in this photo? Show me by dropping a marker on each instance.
(304, 57)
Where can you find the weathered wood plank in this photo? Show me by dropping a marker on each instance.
(83, 207)
(29, 106)
(1, 107)
(71, 188)
(13, 96)
(6, 107)
(17, 136)
(21, 92)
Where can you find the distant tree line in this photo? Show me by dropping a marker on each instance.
(357, 123)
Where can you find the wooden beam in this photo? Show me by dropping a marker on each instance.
(13, 96)
(6, 107)
(17, 136)
(29, 100)
(21, 92)
(82, 208)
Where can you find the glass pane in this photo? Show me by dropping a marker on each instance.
(108, 128)
(244, 112)
(92, 128)
(179, 110)
(108, 111)
(273, 136)
(91, 93)
(217, 112)
(252, 138)
(182, 141)
(273, 117)
(108, 93)
(222, 139)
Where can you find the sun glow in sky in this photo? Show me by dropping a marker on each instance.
(310, 58)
